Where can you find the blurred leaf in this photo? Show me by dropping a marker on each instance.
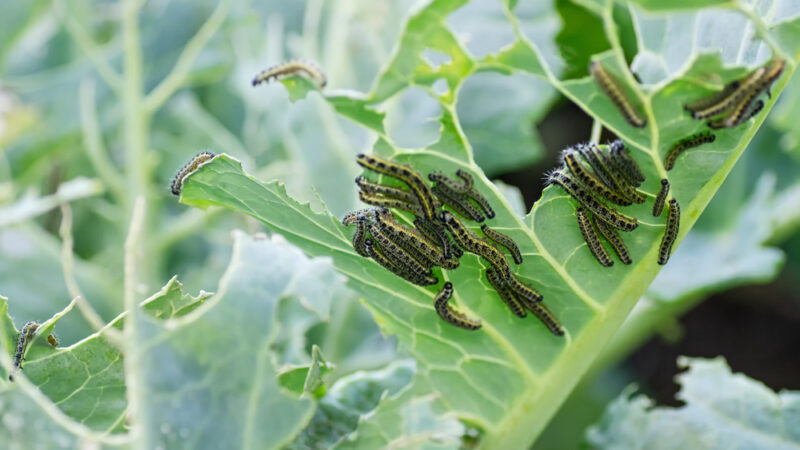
(407, 420)
(30, 206)
(589, 300)
(722, 410)
(581, 36)
(350, 398)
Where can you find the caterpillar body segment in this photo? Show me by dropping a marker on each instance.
(590, 236)
(616, 92)
(450, 314)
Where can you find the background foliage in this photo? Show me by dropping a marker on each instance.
(100, 103)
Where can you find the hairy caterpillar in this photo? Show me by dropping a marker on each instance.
(351, 217)
(615, 240)
(190, 167)
(508, 296)
(405, 174)
(292, 68)
(590, 180)
(685, 144)
(590, 236)
(603, 166)
(658, 206)
(591, 203)
(616, 92)
(670, 231)
(625, 163)
(505, 241)
(461, 192)
(450, 314)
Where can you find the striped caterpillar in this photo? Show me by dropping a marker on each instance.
(616, 92)
(190, 167)
(681, 146)
(450, 314)
(292, 68)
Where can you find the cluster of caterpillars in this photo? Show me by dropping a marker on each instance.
(737, 102)
(595, 176)
(438, 238)
(26, 335)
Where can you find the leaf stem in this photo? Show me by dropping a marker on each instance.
(177, 77)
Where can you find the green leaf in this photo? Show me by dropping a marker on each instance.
(85, 381)
(222, 353)
(722, 410)
(171, 302)
(510, 377)
(306, 379)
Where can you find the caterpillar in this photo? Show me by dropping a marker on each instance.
(197, 160)
(397, 254)
(470, 242)
(602, 165)
(458, 203)
(52, 340)
(616, 92)
(388, 191)
(292, 68)
(508, 297)
(351, 217)
(658, 206)
(525, 292)
(625, 163)
(615, 240)
(469, 182)
(25, 336)
(405, 174)
(708, 102)
(546, 317)
(464, 190)
(740, 99)
(743, 112)
(456, 187)
(377, 254)
(590, 236)
(591, 203)
(435, 233)
(670, 232)
(360, 237)
(505, 241)
(590, 180)
(409, 240)
(681, 146)
(384, 202)
(747, 85)
(450, 314)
